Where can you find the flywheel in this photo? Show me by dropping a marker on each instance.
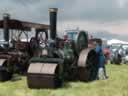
(81, 41)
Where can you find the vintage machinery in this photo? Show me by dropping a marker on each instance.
(55, 60)
(14, 52)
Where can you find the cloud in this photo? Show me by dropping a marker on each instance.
(108, 15)
(96, 10)
(108, 35)
(34, 10)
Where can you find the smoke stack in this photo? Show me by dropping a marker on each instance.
(6, 18)
(53, 22)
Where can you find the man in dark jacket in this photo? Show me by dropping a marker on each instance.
(102, 60)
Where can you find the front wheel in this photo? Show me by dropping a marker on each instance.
(4, 74)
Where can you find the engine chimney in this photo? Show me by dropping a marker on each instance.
(6, 18)
(53, 22)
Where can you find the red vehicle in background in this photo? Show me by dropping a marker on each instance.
(107, 53)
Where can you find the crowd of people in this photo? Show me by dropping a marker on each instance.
(119, 54)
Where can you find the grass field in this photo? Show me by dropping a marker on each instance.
(115, 85)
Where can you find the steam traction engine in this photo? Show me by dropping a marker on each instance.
(15, 51)
(55, 60)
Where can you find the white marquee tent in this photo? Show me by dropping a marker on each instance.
(116, 41)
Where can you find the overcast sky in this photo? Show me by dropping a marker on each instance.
(92, 15)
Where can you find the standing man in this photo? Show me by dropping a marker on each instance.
(102, 60)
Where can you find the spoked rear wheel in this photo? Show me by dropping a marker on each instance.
(88, 65)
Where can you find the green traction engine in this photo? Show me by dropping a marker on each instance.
(56, 60)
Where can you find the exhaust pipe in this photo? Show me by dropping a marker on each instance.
(53, 22)
(6, 18)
